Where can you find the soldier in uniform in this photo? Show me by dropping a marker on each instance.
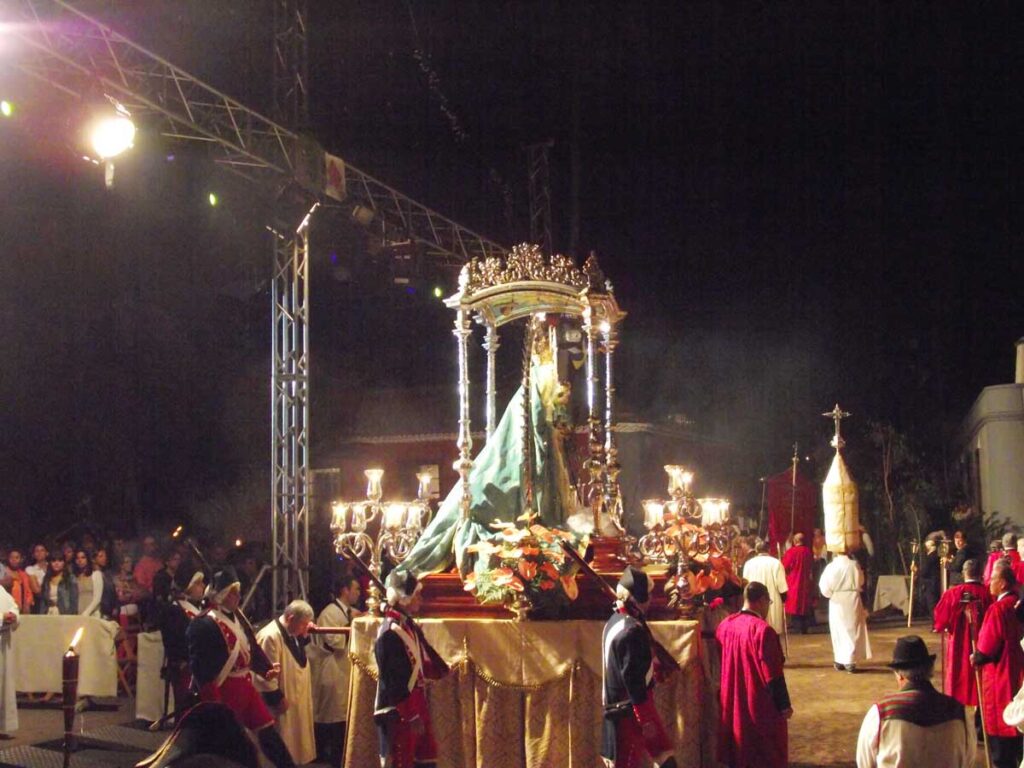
(405, 661)
(222, 658)
(632, 726)
(175, 616)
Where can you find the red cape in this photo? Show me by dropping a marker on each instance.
(1000, 638)
(751, 730)
(951, 617)
(799, 564)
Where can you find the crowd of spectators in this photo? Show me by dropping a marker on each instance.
(112, 577)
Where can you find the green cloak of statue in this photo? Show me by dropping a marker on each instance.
(495, 480)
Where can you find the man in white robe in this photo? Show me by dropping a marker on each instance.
(8, 703)
(767, 570)
(842, 582)
(290, 694)
(331, 671)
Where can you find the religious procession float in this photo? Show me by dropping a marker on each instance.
(494, 546)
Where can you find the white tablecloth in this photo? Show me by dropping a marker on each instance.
(40, 642)
(892, 590)
(149, 686)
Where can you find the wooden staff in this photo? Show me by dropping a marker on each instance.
(967, 600)
(913, 572)
(785, 624)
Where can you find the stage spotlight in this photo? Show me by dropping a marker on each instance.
(213, 199)
(112, 134)
(6, 108)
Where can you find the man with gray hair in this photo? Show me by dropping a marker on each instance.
(290, 695)
(917, 725)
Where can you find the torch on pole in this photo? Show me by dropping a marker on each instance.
(69, 668)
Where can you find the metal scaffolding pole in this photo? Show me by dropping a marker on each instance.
(289, 417)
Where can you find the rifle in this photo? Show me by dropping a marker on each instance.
(347, 554)
(664, 658)
(261, 663)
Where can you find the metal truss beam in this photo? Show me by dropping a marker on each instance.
(76, 53)
(291, 62)
(291, 489)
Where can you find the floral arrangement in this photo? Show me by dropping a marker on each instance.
(520, 566)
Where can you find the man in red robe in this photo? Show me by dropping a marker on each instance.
(1009, 553)
(951, 617)
(753, 732)
(1001, 658)
(798, 563)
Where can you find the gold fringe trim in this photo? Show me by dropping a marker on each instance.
(464, 663)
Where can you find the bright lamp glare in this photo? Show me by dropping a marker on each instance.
(6, 108)
(110, 136)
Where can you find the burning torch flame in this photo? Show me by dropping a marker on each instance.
(76, 638)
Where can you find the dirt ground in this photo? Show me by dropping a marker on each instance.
(828, 706)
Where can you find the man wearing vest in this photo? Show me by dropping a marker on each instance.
(917, 725)
(405, 660)
(221, 657)
(632, 726)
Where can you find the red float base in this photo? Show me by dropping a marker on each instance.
(444, 597)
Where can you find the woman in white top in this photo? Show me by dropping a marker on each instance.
(90, 585)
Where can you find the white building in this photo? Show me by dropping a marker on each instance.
(991, 447)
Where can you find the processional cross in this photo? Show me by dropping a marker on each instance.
(837, 415)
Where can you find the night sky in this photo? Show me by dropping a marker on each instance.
(798, 205)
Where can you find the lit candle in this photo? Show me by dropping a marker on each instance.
(713, 511)
(425, 478)
(374, 491)
(338, 517)
(69, 668)
(654, 513)
(414, 520)
(394, 516)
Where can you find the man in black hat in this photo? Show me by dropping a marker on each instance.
(917, 725)
(220, 650)
(405, 660)
(632, 726)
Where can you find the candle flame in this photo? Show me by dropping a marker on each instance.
(238, 542)
(177, 532)
(76, 638)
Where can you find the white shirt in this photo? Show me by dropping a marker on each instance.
(902, 744)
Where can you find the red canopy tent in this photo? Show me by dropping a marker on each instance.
(780, 501)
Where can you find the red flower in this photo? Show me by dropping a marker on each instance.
(516, 585)
(527, 569)
(549, 570)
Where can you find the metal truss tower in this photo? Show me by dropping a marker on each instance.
(75, 54)
(540, 195)
(290, 471)
(289, 419)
